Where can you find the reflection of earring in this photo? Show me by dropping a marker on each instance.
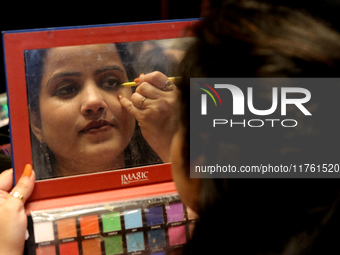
(43, 148)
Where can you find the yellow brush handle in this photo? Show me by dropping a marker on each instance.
(133, 84)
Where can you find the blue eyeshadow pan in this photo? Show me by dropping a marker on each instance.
(135, 242)
(156, 238)
(133, 219)
(154, 215)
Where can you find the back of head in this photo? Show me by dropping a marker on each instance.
(251, 39)
(263, 216)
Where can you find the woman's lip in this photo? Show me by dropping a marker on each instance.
(96, 126)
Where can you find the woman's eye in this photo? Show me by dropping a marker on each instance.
(111, 83)
(65, 90)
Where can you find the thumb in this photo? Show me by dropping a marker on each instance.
(24, 187)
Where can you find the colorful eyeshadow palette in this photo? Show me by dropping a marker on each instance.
(158, 225)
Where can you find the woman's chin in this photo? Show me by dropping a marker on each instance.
(92, 159)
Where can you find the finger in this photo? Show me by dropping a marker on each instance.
(6, 180)
(6, 183)
(128, 105)
(156, 78)
(140, 101)
(148, 90)
(24, 187)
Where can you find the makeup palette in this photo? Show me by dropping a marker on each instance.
(156, 225)
(74, 214)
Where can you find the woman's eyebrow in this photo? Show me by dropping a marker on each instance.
(63, 74)
(109, 68)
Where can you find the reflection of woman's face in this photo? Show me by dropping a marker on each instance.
(82, 120)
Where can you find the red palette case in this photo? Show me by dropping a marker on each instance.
(141, 188)
(16, 42)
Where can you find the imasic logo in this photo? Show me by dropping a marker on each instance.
(134, 177)
(239, 104)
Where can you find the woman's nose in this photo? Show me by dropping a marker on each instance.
(93, 100)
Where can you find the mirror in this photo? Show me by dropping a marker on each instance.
(77, 124)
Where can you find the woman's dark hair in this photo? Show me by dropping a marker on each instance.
(137, 153)
(263, 216)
